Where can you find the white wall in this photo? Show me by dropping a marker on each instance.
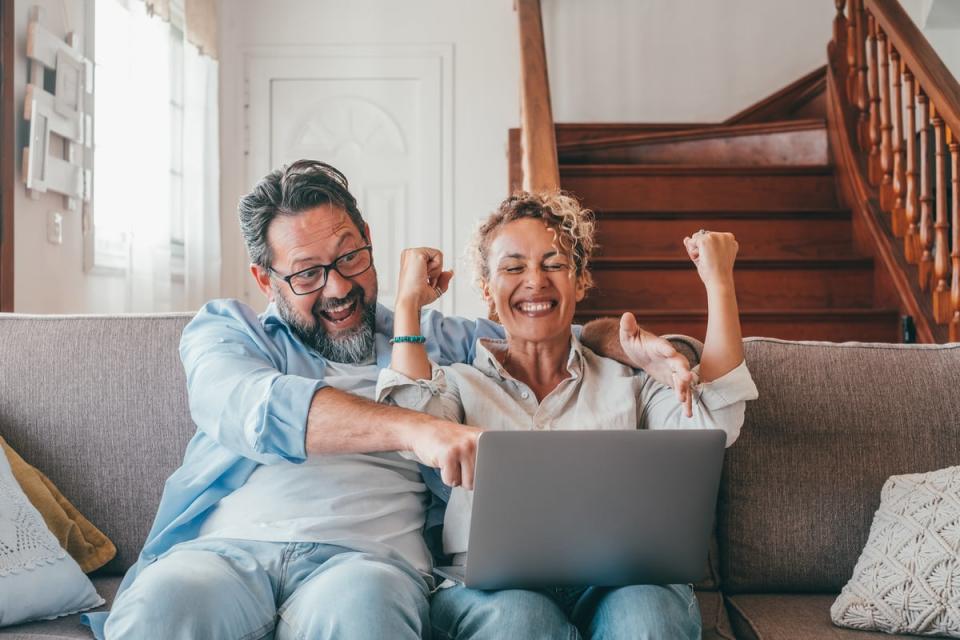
(49, 278)
(939, 20)
(610, 60)
(678, 60)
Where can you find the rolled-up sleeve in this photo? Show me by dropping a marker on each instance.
(439, 396)
(719, 404)
(238, 392)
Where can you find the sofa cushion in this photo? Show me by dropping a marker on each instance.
(66, 627)
(100, 404)
(83, 541)
(791, 617)
(906, 578)
(832, 423)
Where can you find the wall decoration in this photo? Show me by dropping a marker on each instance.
(53, 159)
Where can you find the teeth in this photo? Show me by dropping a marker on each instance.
(342, 307)
(530, 307)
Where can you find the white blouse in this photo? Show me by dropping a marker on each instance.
(599, 394)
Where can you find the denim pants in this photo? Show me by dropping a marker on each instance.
(219, 589)
(635, 612)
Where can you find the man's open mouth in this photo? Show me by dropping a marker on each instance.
(341, 313)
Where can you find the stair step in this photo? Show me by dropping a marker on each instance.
(673, 283)
(791, 142)
(835, 325)
(784, 234)
(697, 188)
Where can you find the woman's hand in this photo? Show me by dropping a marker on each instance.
(714, 254)
(422, 278)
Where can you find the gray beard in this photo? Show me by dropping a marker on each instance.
(350, 346)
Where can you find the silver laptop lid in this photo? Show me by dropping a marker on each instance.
(602, 508)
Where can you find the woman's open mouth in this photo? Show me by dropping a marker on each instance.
(536, 309)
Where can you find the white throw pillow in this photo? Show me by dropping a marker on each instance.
(38, 579)
(907, 579)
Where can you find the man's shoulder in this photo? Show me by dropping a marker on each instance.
(227, 318)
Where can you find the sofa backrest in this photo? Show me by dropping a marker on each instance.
(833, 421)
(99, 404)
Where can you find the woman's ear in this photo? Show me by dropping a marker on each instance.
(488, 298)
(581, 288)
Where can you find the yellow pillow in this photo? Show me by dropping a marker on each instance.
(83, 541)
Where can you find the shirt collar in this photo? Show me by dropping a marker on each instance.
(488, 364)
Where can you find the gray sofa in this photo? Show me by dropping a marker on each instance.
(99, 404)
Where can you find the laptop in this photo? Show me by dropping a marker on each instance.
(597, 508)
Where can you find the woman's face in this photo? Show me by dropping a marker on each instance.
(532, 285)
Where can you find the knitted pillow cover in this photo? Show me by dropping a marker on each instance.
(907, 579)
(38, 579)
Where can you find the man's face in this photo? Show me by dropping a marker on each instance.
(338, 320)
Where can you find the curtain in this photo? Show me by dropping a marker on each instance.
(201, 181)
(156, 160)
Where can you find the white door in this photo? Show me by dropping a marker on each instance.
(382, 117)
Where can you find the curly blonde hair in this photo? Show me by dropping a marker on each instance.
(574, 227)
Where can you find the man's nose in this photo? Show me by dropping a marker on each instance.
(337, 286)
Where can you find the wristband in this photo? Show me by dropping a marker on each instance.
(412, 339)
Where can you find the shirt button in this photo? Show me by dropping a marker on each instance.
(538, 426)
(524, 395)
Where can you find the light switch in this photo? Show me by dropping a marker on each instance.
(55, 227)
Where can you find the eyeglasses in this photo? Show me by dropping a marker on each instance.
(311, 279)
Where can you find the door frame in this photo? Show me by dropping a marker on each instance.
(7, 153)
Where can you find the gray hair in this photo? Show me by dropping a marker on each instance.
(289, 191)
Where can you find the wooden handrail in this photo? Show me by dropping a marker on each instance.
(541, 171)
(918, 55)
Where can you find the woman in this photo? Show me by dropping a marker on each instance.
(531, 258)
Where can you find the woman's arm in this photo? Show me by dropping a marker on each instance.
(422, 280)
(714, 254)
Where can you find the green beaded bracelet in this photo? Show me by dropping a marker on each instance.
(413, 339)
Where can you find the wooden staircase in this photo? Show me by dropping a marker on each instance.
(765, 176)
(843, 189)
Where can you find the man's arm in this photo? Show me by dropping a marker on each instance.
(239, 397)
(341, 422)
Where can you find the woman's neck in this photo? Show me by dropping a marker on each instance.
(541, 365)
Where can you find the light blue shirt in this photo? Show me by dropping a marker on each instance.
(250, 382)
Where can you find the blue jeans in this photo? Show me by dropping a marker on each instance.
(634, 612)
(245, 590)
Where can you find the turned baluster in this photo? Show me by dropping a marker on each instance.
(911, 212)
(873, 166)
(955, 232)
(863, 97)
(925, 249)
(941, 263)
(840, 32)
(852, 44)
(897, 220)
(886, 128)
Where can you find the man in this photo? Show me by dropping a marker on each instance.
(292, 515)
